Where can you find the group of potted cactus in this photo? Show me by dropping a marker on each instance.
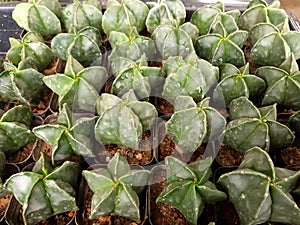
(127, 109)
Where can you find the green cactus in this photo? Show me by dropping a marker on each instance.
(294, 122)
(23, 86)
(283, 83)
(78, 86)
(14, 129)
(173, 41)
(271, 47)
(69, 136)
(190, 77)
(134, 118)
(82, 45)
(46, 191)
(260, 192)
(236, 82)
(137, 76)
(259, 11)
(3, 191)
(122, 17)
(165, 12)
(79, 15)
(223, 45)
(132, 46)
(188, 187)
(208, 17)
(30, 52)
(193, 124)
(40, 16)
(251, 126)
(116, 188)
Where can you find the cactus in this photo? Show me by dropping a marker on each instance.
(236, 82)
(174, 40)
(30, 52)
(283, 85)
(165, 12)
(260, 192)
(251, 126)
(132, 46)
(137, 76)
(78, 86)
(40, 16)
(223, 44)
(80, 15)
(122, 17)
(70, 136)
(14, 129)
(271, 47)
(134, 118)
(189, 77)
(83, 45)
(46, 191)
(116, 188)
(259, 11)
(193, 124)
(208, 17)
(23, 86)
(188, 187)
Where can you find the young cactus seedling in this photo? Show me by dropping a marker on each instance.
(259, 11)
(251, 126)
(14, 129)
(188, 187)
(83, 45)
(260, 192)
(30, 52)
(78, 86)
(134, 118)
(174, 40)
(283, 86)
(272, 47)
(193, 124)
(25, 86)
(236, 82)
(132, 46)
(224, 42)
(46, 191)
(116, 189)
(190, 77)
(41, 16)
(137, 76)
(206, 18)
(69, 136)
(79, 15)
(124, 16)
(165, 12)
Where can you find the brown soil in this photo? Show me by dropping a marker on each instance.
(21, 155)
(42, 146)
(4, 202)
(142, 156)
(101, 220)
(291, 155)
(228, 156)
(168, 215)
(43, 105)
(163, 106)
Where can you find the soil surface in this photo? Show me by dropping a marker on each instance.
(228, 156)
(142, 156)
(22, 155)
(4, 202)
